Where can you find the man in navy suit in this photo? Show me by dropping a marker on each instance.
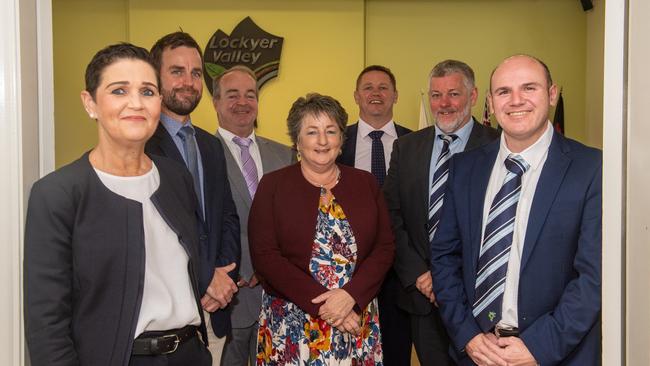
(544, 298)
(376, 94)
(178, 58)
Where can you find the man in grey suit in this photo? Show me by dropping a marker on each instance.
(248, 157)
(414, 190)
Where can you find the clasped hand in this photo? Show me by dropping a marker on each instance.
(486, 349)
(221, 289)
(337, 310)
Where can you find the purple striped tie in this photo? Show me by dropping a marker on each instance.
(248, 167)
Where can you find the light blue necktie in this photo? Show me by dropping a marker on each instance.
(186, 133)
(495, 249)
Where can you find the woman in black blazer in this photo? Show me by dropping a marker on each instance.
(111, 251)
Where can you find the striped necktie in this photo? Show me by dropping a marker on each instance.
(186, 133)
(495, 249)
(378, 161)
(438, 184)
(248, 167)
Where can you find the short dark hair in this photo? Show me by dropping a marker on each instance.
(172, 41)
(314, 104)
(379, 68)
(108, 56)
(216, 87)
(547, 71)
(448, 67)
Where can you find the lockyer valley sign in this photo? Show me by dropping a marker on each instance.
(247, 45)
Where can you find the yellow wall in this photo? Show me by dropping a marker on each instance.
(80, 28)
(595, 67)
(318, 53)
(327, 42)
(412, 36)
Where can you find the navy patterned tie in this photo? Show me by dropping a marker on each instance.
(438, 184)
(186, 133)
(378, 161)
(495, 248)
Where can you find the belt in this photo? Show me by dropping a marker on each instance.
(162, 343)
(506, 332)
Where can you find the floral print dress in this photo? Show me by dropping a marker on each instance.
(289, 336)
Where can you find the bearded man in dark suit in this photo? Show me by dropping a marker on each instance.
(414, 191)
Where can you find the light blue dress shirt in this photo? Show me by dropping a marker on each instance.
(456, 146)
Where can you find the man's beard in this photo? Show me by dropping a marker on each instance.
(182, 107)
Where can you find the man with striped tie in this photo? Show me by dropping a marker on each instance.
(414, 189)
(516, 259)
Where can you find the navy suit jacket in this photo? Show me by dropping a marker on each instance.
(350, 145)
(559, 294)
(219, 231)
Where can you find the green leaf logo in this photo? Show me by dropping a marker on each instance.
(492, 315)
(214, 70)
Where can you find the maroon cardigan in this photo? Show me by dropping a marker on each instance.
(281, 230)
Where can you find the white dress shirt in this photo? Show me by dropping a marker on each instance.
(363, 153)
(235, 150)
(535, 155)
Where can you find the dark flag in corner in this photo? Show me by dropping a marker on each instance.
(486, 113)
(558, 117)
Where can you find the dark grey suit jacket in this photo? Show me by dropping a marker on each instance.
(85, 262)
(407, 194)
(246, 304)
(219, 231)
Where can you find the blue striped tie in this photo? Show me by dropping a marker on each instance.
(438, 184)
(495, 249)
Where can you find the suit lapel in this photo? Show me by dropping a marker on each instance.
(167, 145)
(209, 173)
(237, 181)
(422, 171)
(350, 145)
(270, 160)
(478, 183)
(548, 185)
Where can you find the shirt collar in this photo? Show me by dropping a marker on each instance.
(462, 133)
(535, 153)
(173, 126)
(388, 128)
(227, 135)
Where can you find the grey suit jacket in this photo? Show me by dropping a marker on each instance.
(246, 304)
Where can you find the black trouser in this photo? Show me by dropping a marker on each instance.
(191, 352)
(394, 324)
(430, 339)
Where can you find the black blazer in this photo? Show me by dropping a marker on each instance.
(85, 262)
(407, 194)
(350, 145)
(219, 232)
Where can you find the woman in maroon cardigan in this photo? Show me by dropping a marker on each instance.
(321, 240)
